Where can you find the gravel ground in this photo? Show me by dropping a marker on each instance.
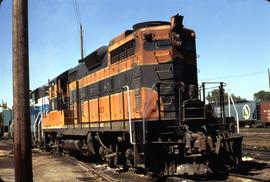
(46, 167)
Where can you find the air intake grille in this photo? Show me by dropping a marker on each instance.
(123, 52)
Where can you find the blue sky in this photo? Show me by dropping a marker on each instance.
(233, 39)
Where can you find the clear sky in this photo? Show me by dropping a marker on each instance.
(233, 37)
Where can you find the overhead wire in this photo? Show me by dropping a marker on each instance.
(236, 76)
(77, 12)
(78, 17)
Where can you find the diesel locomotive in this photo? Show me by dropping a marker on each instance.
(137, 102)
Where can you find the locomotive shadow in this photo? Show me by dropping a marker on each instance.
(205, 177)
(87, 159)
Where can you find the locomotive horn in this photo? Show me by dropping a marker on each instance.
(176, 27)
(176, 22)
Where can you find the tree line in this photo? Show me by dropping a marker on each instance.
(213, 97)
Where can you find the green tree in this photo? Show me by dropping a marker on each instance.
(261, 96)
(213, 97)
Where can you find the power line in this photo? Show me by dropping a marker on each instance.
(236, 76)
(1, 2)
(77, 12)
(79, 24)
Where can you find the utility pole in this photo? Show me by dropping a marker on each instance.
(81, 38)
(269, 77)
(22, 133)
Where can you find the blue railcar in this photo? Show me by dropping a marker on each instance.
(1, 124)
(247, 112)
(7, 119)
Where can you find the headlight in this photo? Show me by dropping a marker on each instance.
(178, 42)
(177, 35)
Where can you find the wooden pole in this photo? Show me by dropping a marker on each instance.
(22, 135)
(81, 40)
(269, 77)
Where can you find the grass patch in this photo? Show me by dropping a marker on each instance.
(262, 148)
(259, 142)
(255, 130)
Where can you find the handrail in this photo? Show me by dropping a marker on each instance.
(39, 126)
(42, 133)
(129, 115)
(236, 112)
(36, 120)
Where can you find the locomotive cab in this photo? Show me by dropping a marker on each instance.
(58, 102)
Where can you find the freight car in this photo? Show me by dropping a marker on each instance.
(1, 124)
(250, 113)
(247, 112)
(135, 103)
(7, 120)
(264, 110)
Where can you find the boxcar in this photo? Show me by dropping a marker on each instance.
(265, 113)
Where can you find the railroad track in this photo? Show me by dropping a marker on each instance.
(248, 177)
(91, 169)
(105, 177)
(6, 141)
(100, 175)
(257, 154)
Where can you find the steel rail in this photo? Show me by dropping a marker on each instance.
(88, 168)
(256, 154)
(248, 177)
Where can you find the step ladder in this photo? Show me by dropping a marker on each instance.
(166, 92)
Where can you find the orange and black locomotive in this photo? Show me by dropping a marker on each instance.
(136, 102)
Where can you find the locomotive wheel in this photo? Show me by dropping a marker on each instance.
(120, 157)
(129, 157)
(93, 148)
(46, 141)
(89, 141)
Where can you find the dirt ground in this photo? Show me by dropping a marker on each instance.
(52, 168)
(43, 171)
